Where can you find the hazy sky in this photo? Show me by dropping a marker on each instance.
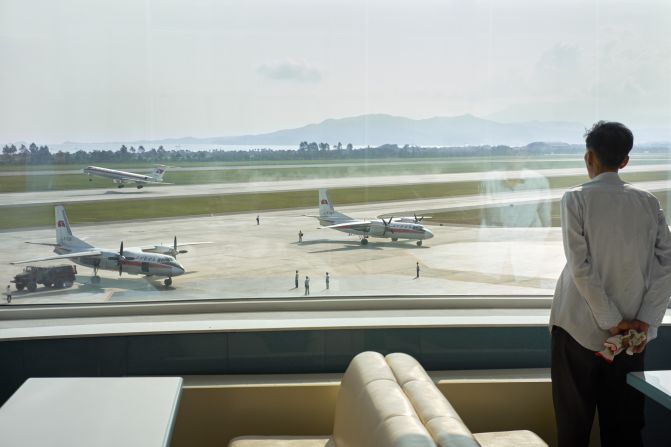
(98, 70)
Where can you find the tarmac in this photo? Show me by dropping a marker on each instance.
(246, 260)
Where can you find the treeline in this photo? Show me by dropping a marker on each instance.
(40, 155)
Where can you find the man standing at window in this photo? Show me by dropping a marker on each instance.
(617, 277)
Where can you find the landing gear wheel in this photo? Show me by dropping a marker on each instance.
(167, 282)
(364, 241)
(419, 243)
(394, 239)
(140, 186)
(95, 280)
(120, 186)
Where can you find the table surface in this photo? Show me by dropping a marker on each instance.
(94, 412)
(654, 384)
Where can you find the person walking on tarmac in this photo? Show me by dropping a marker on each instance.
(300, 236)
(417, 271)
(328, 280)
(296, 280)
(9, 293)
(307, 285)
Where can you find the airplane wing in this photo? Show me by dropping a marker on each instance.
(186, 244)
(80, 254)
(359, 225)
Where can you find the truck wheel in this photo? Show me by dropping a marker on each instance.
(47, 284)
(19, 286)
(32, 287)
(67, 284)
(58, 284)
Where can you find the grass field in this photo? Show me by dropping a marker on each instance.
(475, 216)
(115, 210)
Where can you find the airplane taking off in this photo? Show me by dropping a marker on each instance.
(390, 229)
(123, 177)
(133, 261)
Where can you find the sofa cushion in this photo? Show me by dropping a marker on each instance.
(406, 368)
(282, 441)
(401, 431)
(439, 417)
(368, 398)
(451, 432)
(428, 401)
(517, 438)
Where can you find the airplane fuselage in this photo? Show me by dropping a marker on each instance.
(134, 263)
(116, 176)
(393, 230)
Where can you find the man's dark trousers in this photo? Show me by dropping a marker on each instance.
(581, 382)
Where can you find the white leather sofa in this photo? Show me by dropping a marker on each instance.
(392, 402)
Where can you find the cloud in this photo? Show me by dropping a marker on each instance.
(290, 70)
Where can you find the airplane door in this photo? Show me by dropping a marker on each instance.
(145, 267)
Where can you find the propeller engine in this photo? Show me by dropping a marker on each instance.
(175, 252)
(120, 258)
(387, 227)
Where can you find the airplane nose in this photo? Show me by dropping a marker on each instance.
(176, 271)
(428, 234)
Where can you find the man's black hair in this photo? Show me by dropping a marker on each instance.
(610, 142)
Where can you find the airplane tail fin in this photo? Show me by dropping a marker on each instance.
(64, 236)
(157, 173)
(327, 212)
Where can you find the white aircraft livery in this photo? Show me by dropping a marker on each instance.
(122, 177)
(390, 229)
(133, 261)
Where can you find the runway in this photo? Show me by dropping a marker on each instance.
(151, 192)
(353, 163)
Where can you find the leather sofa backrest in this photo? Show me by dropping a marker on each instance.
(438, 416)
(373, 411)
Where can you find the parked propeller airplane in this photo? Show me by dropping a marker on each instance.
(123, 177)
(393, 229)
(135, 261)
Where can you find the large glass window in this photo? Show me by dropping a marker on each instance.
(188, 142)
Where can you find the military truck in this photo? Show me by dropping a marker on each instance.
(58, 277)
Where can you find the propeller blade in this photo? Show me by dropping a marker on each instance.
(120, 260)
(174, 245)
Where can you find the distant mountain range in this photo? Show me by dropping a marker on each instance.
(378, 129)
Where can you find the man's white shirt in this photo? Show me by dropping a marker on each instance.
(618, 252)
